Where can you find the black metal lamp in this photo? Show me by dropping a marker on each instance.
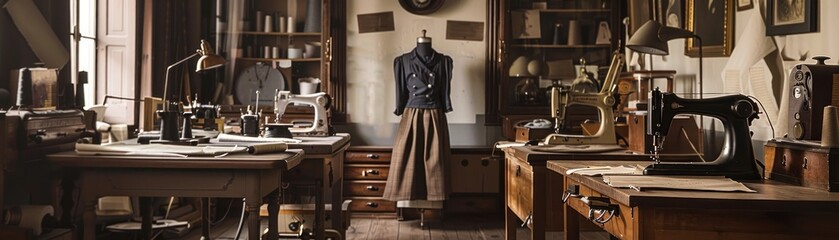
(168, 116)
(652, 38)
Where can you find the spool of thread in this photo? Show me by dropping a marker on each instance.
(269, 24)
(266, 52)
(282, 25)
(290, 26)
(30, 217)
(275, 52)
(265, 148)
(830, 127)
(24, 88)
(259, 17)
(250, 125)
(574, 35)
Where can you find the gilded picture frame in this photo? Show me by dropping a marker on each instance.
(716, 28)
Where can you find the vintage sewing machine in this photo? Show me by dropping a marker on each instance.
(319, 101)
(736, 112)
(561, 99)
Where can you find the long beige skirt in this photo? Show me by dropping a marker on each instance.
(421, 152)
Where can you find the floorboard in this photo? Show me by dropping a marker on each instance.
(359, 228)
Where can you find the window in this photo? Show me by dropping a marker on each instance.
(83, 15)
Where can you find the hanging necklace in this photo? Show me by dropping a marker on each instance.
(264, 77)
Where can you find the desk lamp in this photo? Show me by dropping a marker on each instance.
(652, 38)
(169, 116)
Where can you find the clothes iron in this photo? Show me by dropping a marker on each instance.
(603, 101)
(736, 112)
(319, 101)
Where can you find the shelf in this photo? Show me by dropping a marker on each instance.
(296, 34)
(587, 10)
(560, 46)
(278, 59)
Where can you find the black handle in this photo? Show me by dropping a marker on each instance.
(372, 204)
(518, 171)
(373, 156)
(372, 188)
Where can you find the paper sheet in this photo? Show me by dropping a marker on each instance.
(238, 138)
(700, 183)
(606, 170)
(577, 148)
(156, 150)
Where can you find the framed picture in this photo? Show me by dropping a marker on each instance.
(744, 5)
(716, 27)
(671, 13)
(791, 17)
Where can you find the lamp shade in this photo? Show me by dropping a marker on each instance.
(519, 67)
(209, 59)
(646, 40)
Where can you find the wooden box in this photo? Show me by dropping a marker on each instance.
(802, 163)
(524, 134)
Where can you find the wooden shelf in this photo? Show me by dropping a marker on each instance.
(296, 34)
(277, 59)
(560, 46)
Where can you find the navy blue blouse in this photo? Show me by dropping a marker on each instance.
(422, 83)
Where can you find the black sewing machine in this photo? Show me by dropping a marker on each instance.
(736, 112)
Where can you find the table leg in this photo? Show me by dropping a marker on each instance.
(572, 223)
(89, 218)
(509, 224)
(205, 218)
(146, 213)
(336, 183)
(252, 208)
(320, 211)
(273, 200)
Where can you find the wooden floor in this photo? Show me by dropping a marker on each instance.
(461, 228)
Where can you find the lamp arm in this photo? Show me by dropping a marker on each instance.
(166, 84)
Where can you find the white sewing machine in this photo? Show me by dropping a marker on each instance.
(603, 101)
(319, 101)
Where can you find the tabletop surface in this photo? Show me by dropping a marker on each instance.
(284, 160)
(771, 195)
(536, 157)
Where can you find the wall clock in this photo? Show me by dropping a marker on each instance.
(260, 77)
(421, 7)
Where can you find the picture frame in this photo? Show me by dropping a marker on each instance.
(743, 5)
(671, 13)
(639, 12)
(785, 17)
(716, 28)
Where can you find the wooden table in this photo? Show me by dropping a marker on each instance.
(324, 155)
(776, 211)
(235, 175)
(528, 192)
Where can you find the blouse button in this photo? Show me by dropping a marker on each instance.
(413, 75)
(429, 85)
(415, 86)
(430, 74)
(427, 95)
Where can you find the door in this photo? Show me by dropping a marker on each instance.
(116, 54)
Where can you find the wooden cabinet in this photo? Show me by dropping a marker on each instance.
(365, 175)
(539, 44)
(263, 53)
(475, 179)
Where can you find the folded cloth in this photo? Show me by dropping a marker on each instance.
(606, 170)
(224, 137)
(156, 150)
(698, 183)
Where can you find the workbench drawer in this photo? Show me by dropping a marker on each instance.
(366, 172)
(368, 157)
(364, 188)
(620, 226)
(519, 183)
(372, 205)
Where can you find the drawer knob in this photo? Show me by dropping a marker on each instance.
(518, 171)
(805, 163)
(464, 162)
(572, 191)
(600, 209)
(370, 172)
(373, 156)
(784, 160)
(372, 188)
(372, 204)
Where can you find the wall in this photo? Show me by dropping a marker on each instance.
(370, 83)
(811, 44)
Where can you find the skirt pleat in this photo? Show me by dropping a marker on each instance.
(421, 151)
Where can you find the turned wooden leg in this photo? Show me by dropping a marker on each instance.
(273, 200)
(252, 209)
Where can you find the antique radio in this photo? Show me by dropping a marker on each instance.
(814, 86)
(48, 128)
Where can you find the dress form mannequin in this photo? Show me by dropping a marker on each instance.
(424, 49)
